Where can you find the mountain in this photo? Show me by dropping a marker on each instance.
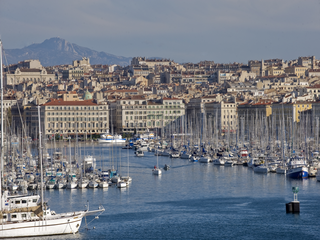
(57, 51)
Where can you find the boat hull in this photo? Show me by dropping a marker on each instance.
(156, 171)
(111, 140)
(204, 160)
(67, 225)
(185, 156)
(261, 169)
(299, 172)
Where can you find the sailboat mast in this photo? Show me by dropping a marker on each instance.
(1, 126)
(40, 157)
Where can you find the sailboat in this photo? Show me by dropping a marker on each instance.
(72, 180)
(26, 215)
(156, 170)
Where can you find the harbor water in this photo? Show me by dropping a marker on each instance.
(192, 200)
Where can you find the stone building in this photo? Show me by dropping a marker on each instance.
(68, 117)
(137, 114)
(24, 75)
(224, 113)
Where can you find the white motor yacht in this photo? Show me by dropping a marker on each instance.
(139, 153)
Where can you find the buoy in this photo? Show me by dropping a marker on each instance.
(294, 206)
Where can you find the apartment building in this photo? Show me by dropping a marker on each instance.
(314, 91)
(150, 62)
(63, 116)
(196, 106)
(224, 113)
(73, 73)
(137, 114)
(290, 111)
(299, 71)
(25, 75)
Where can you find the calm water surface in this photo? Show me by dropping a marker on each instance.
(190, 201)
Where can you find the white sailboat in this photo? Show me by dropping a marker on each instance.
(27, 216)
(156, 170)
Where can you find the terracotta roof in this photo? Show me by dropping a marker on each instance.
(171, 99)
(60, 102)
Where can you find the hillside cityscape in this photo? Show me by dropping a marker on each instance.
(150, 93)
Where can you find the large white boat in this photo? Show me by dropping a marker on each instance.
(109, 138)
(27, 216)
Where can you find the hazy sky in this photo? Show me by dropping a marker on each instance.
(182, 30)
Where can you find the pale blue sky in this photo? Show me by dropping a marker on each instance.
(182, 30)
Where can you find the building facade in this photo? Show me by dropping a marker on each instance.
(224, 114)
(70, 117)
(25, 75)
(136, 114)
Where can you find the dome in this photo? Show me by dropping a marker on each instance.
(87, 95)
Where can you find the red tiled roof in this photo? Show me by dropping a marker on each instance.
(60, 102)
